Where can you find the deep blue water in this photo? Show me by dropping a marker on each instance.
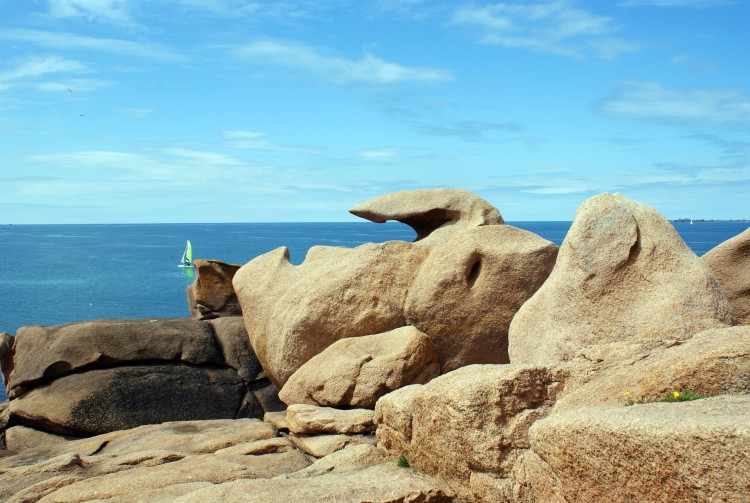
(52, 274)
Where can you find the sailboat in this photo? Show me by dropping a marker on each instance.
(187, 256)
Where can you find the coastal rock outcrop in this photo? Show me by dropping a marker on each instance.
(730, 263)
(211, 295)
(690, 451)
(431, 212)
(470, 425)
(461, 290)
(94, 377)
(357, 371)
(624, 283)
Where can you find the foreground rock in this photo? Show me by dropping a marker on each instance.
(200, 461)
(690, 451)
(624, 283)
(94, 377)
(211, 295)
(468, 426)
(357, 371)
(461, 290)
(730, 263)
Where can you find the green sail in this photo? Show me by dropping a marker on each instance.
(189, 253)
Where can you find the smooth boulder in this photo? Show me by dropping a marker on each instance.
(461, 288)
(624, 283)
(357, 371)
(6, 356)
(730, 263)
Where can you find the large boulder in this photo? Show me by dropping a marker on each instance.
(357, 371)
(211, 295)
(730, 263)
(93, 377)
(624, 283)
(689, 451)
(461, 287)
(430, 212)
(468, 426)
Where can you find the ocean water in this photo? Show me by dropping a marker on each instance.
(52, 274)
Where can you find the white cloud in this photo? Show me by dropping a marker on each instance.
(654, 101)
(138, 113)
(676, 3)
(555, 27)
(379, 154)
(64, 40)
(256, 140)
(367, 70)
(36, 67)
(111, 11)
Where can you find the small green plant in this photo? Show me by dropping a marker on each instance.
(401, 462)
(675, 396)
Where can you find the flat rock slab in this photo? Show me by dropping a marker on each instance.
(277, 419)
(311, 419)
(322, 445)
(687, 451)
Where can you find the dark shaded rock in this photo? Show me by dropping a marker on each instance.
(6, 356)
(212, 295)
(104, 400)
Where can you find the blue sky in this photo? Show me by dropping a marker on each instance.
(240, 111)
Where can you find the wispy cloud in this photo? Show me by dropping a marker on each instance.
(36, 67)
(656, 102)
(556, 27)
(379, 154)
(676, 3)
(65, 40)
(368, 69)
(256, 140)
(111, 11)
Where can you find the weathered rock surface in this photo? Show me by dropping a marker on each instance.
(430, 212)
(624, 283)
(730, 263)
(713, 362)
(307, 419)
(381, 483)
(104, 400)
(211, 295)
(689, 451)
(357, 371)
(460, 290)
(468, 425)
(6, 356)
(147, 462)
(93, 377)
(323, 445)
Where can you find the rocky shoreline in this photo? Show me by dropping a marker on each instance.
(478, 363)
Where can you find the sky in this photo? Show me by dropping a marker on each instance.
(129, 111)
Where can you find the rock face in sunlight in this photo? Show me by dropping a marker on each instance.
(476, 364)
(624, 283)
(730, 262)
(460, 284)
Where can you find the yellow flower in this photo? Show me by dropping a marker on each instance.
(676, 394)
(626, 393)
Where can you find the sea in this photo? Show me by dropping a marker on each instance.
(53, 274)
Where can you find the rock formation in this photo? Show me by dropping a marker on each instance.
(93, 377)
(730, 263)
(624, 283)
(357, 371)
(431, 212)
(211, 295)
(461, 287)
(6, 356)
